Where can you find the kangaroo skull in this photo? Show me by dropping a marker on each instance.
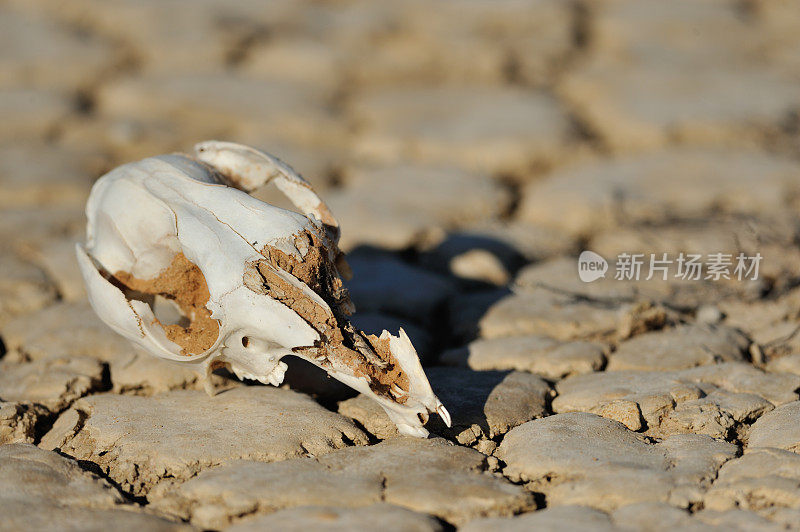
(183, 261)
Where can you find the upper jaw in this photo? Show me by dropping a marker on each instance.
(410, 399)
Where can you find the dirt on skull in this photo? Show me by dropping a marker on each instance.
(183, 283)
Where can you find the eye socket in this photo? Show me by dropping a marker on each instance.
(245, 341)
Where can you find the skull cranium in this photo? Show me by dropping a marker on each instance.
(184, 262)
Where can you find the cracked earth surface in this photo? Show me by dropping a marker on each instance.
(471, 151)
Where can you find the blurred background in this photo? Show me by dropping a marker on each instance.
(456, 140)
(471, 150)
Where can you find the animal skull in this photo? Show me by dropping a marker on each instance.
(181, 260)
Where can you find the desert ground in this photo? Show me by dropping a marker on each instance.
(471, 151)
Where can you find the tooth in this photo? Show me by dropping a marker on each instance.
(444, 414)
(397, 391)
(275, 377)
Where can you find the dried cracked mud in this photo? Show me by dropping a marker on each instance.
(471, 151)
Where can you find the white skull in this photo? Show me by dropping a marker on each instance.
(181, 260)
